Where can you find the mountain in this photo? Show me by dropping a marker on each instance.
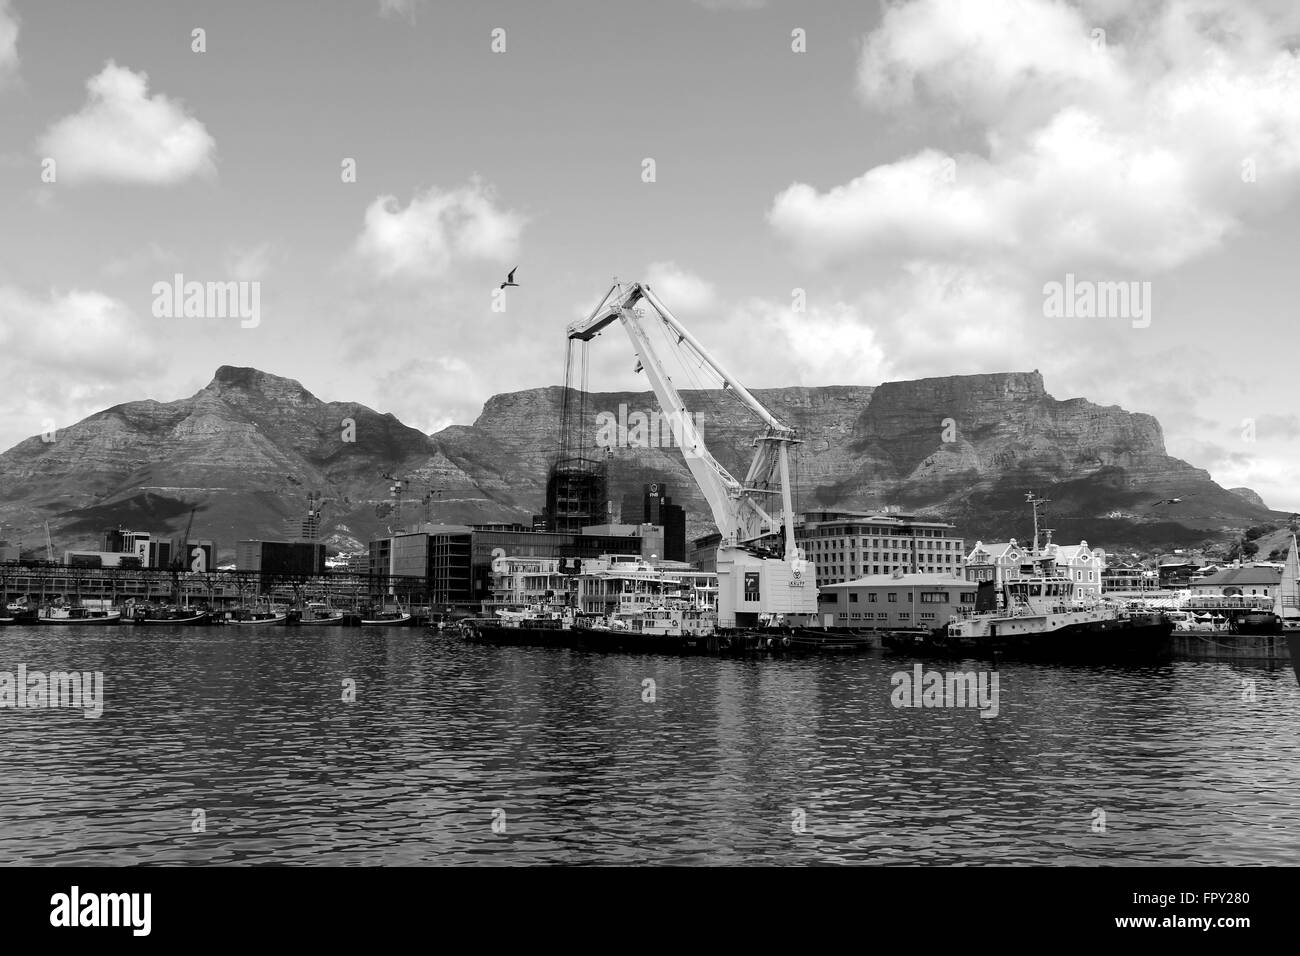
(246, 450)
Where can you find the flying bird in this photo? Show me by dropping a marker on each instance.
(510, 279)
(1169, 501)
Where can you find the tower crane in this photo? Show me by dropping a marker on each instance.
(753, 586)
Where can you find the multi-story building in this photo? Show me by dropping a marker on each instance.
(280, 557)
(456, 560)
(1081, 564)
(654, 506)
(1009, 560)
(998, 562)
(846, 546)
(896, 600)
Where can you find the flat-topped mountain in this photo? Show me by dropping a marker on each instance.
(247, 449)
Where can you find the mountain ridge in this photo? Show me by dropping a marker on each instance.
(247, 448)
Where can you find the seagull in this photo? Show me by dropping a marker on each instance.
(510, 279)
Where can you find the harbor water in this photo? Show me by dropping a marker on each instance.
(241, 745)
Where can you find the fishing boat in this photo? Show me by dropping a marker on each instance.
(248, 617)
(77, 616)
(178, 616)
(319, 613)
(398, 618)
(6, 621)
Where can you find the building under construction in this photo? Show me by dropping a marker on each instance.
(577, 482)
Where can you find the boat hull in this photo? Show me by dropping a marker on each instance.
(107, 620)
(1293, 645)
(405, 620)
(260, 622)
(191, 620)
(1115, 641)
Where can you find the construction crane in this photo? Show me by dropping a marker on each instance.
(179, 556)
(49, 545)
(399, 487)
(753, 585)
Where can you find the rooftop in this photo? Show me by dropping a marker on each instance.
(905, 580)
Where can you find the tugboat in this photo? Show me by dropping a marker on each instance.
(1040, 616)
(1041, 619)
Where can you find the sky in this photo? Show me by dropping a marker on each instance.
(842, 193)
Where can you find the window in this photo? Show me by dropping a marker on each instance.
(904, 616)
(968, 597)
(934, 597)
(853, 598)
(871, 598)
(893, 597)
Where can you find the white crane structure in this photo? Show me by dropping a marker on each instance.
(754, 587)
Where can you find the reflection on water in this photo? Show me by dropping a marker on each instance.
(725, 766)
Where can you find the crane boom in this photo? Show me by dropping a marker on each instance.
(738, 508)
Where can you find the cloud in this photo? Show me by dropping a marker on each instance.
(92, 351)
(248, 262)
(731, 4)
(149, 256)
(122, 134)
(8, 44)
(398, 8)
(1131, 152)
(679, 289)
(438, 230)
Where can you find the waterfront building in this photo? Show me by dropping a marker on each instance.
(281, 557)
(899, 600)
(847, 545)
(998, 562)
(1081, 564)
(456, 560)
(1249, 582)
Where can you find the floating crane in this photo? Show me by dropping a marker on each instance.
(754, 586)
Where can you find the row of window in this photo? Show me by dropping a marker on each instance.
(891, 597)
(946, 544)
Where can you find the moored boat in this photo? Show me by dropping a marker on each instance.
(387, 619)
(77, 616)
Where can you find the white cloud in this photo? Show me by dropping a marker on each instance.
(679, 289)
(122, 134)
(249, 262)
(149, 256)
(439, 229)
(732, 4)
(76, 339)
(398, 8)
(1129, 155)
(8, 43)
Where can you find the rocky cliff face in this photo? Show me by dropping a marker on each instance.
(248, 448)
